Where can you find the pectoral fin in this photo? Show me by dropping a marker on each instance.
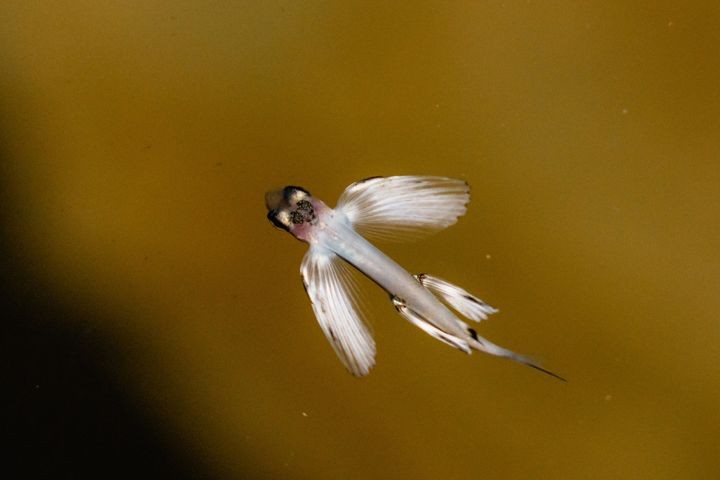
(329, 285)
(403, 207)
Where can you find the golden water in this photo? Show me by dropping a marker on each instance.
(141, 139)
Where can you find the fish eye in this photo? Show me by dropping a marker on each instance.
(295, 194)
(280, 218)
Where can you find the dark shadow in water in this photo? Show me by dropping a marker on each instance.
(64, 411)
(65, 415)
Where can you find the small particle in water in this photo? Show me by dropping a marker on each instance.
(304, 414)
(488, 256)
(608, 397)
(671, 23)
(625, 111)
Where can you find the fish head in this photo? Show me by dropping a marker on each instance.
(294, 210)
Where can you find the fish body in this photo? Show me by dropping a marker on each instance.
(393, 208)
(337, 235)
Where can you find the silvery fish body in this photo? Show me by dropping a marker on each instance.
(385, 208)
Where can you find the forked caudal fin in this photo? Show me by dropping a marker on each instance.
(471, 307)
(483, 345)
(548, 372)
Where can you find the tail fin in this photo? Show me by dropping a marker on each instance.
(471, 307)
(486, 346)
(548, 372)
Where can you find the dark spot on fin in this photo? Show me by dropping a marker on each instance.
(467, 186)
(475, 300)
(296, 217)
(473, 333)
(332, 334)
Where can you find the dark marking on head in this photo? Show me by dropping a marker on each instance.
(290, 189)
(303, 213)
(473, 333)
(467, 202)
(273, 217)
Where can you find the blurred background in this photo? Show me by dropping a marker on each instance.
(154, 321)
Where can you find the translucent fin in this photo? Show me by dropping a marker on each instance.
(459, 299)
(404, 207)
(332, 292)
(483, 345)
(429, 328)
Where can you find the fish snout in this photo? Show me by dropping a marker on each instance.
(289, 207)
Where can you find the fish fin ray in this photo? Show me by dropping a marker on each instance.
(459, 299)
(403, 207)
(422, 323)
(483, 345)
(333, 294)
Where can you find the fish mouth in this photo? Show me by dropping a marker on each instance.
(274, 199)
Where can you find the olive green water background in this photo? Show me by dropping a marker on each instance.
(139, 140)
